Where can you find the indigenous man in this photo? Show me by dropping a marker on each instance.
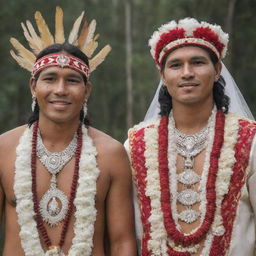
(193, 166)
(65, 186)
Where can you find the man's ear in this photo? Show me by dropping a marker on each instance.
(32, 85)
(161, 73)
(88, 88)
(218, 68)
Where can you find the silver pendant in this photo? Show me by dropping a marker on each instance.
(188, 197)
(188, 216)
(53, 206)
(188, 178)
(189, 162)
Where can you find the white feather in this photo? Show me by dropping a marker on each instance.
(74, 31)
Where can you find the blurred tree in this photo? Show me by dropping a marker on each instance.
(128, 43)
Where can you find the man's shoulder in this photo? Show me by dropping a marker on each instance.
(11, 138)
(111, 154)
(244, 122)
(151, 123)
(104, 142)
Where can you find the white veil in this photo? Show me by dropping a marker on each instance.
(237, 105)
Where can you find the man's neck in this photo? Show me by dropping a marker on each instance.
(57, 136)
(191, 119)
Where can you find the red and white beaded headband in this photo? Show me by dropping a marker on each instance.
(61, 60)
(187, 31)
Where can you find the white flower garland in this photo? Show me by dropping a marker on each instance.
(205, 173)
(158, 241)
(84, 202)
(226, 163)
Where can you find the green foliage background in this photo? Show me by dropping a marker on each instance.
(107, 104)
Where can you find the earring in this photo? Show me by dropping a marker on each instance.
(85, 108)
(33, 103)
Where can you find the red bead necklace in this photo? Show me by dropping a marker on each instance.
(176, 235)
(38, 217)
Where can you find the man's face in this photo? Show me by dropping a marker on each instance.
(60, 94)
(189, 75)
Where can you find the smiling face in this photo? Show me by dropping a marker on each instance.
(60, 94)
(189, 75)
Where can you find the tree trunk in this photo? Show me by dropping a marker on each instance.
(128, 47)
(228, 26)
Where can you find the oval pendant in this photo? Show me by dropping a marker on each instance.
(188, 216)
(188, 197)
(53, 206)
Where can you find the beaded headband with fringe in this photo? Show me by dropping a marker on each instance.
(85, 41)
(187, 31)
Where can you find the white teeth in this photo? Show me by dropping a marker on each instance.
(60, 103)
(188, 85)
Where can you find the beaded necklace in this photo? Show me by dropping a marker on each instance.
(38, 217)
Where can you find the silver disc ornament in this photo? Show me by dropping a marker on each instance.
(53, 206)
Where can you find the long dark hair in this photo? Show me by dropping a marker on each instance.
(220, 98)
(72, 50)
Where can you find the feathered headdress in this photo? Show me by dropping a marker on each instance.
(85, 40)
(187, 31)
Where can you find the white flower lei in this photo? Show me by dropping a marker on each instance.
(84, 202)
(158, 241)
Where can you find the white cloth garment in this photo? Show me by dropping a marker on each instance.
(243, 235)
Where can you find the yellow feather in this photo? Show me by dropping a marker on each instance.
(45, 33)
(74, 31)
(30, 39)
(96, 37)
(99, 58)
(22, 62)
(90, 48)
(83, 35)
(22, 51)
(59, 29)
(37, 40)
(90, 44)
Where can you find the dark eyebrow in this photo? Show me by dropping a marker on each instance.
(71, 75)
(78, 76)
(199, 58)
(175, 60)
(48, 73)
